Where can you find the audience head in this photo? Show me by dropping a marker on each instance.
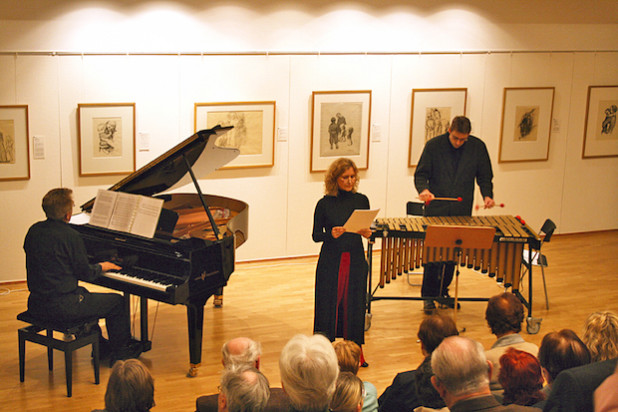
(460, 369)
(601, 335)
(309, 370)
(243, 389)
(336, 169)
(434, 329)
(348, 356)
(562, 350)
(520, 376)
(504, 314)
(241, 351)
(130, 388)
(58, 203)
(349, 393)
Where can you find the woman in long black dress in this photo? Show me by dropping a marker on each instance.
(341, 274)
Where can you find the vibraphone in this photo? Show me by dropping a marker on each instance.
(403, 250)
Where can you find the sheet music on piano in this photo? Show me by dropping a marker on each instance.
(126, 212)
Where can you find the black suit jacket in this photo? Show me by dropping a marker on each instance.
(277, 402)
(573, 388)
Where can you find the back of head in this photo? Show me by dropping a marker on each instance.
(241, 351)
(601, 335)
(130, 388)
(461, 124)
(348, 393)
(504, 314)
(460, 364)
(348, 354)
(309, 370)
(520, 376)
(434, 329)
(57, 203)
(562, 350)
(245, 389)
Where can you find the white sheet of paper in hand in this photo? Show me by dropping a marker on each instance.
(360, 219)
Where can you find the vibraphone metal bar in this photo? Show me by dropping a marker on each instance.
(403, 250)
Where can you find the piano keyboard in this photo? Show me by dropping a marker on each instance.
(122, 277)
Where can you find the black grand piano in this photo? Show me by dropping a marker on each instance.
(191, 256)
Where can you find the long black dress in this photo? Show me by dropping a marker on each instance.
(345, 319)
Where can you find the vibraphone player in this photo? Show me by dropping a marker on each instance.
(448, 167)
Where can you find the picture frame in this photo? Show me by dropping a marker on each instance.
(600, 132)
(14, 143)
(106, 138)
(431, 114)
(525, 130)
(253, 133)
(340, 122)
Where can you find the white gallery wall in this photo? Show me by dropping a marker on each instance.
(169, 56)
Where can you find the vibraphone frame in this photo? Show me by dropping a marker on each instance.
(411, 230)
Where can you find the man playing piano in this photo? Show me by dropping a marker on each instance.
(55, 260)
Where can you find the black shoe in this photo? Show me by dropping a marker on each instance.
(364, 365)
(448, 303)
(131, 351)
(429, 307)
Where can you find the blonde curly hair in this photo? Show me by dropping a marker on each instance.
(601, 335)
(336, 169)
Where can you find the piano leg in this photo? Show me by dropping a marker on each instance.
(195, 321)
(143, 323)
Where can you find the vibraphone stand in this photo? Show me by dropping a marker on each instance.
(458, 238)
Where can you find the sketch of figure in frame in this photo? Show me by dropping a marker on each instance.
(437, 121)
(338, 123)
(7, 141)
(526, 123)
(607, 116)
(108, 136)
(247, 134)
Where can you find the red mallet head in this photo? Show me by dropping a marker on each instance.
(459, 199)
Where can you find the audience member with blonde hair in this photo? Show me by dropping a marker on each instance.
(349, 394)
(130, 388)
(309, 369)
(349, 357)
(601, 335)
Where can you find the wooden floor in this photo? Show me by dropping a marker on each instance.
(272, 301)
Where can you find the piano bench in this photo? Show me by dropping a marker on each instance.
(85, 332)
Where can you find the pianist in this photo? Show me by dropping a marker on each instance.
(55, 260)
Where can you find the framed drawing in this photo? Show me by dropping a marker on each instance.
(253, 133)
(340, 128)
(600, 133)
(526, 124)
(432, 111)
(106, 138)
(14, 149)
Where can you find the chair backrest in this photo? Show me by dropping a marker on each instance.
(415, 208)
(548, 229)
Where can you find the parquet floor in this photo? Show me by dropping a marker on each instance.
(272, 301)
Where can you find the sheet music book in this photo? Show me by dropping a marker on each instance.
(126, 212)
(360, 219)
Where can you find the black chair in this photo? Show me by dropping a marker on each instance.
(415, 209)
(535, 257)
(86, 332)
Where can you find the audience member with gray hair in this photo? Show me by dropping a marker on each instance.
(461, 377)
(243, 389)
(309, 370)
(241, 351)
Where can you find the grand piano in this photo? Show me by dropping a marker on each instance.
(191, 256)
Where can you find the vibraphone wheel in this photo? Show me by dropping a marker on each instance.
(533, 325)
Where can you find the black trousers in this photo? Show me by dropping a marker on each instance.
(432, 278)
(82, 305)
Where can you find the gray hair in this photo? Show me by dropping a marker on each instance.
(309, 370)
(460, 364)
(240, 351)
(245, 389)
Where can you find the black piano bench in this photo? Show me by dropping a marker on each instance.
(85, 332)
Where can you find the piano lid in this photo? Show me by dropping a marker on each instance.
(169, 170)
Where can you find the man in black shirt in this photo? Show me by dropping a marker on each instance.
(448, 167)
(56, 260)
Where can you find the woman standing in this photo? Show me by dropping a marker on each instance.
(341, 274)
